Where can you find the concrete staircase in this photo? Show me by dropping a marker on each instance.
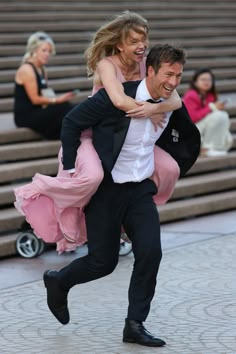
(209, 38)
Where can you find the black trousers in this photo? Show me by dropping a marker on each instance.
(129, 204)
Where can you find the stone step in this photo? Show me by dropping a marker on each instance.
(185, 188)
(6, 104)
(11, 220)
(154, 35)
(8, 245)
(10, 134)
(193, 52)
(75, 47)
(35, 150)
(197, 206)
(70, 71)
(138, 6)
(217, 163)
(17, 171)
(60, 85)
(7, 196)
(56, 72)
(18, 135)
(28, 150)
(205, 184)
(83, 84)
(13, 134)
(105, 13)
(233, 124)
(76, 59)
(234, 141)
(223, 27)
(68, 59)
(77, 21)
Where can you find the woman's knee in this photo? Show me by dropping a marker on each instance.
(96, 177)
(88, 165)
(221, 119)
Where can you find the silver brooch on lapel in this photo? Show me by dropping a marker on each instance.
(175, 135)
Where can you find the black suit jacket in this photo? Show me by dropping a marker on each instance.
(181, 138)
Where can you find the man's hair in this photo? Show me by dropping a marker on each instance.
(166, 53)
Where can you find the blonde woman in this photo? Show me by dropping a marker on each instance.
(35, 105)
(116, 55)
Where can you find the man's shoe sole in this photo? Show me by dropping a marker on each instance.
(131, 340)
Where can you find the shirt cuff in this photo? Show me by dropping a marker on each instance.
(71, 170)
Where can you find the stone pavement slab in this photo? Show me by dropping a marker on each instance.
(194, 308)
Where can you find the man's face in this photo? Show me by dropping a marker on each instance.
(165, 81)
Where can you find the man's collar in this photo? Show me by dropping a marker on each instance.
(143, 93)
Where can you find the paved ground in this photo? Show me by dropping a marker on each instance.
(194, 309)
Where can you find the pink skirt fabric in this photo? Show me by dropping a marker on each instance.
(53, 206)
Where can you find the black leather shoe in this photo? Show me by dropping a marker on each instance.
(56, 297)
(135, 332)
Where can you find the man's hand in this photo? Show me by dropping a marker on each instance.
(158, 120)
(148, 110)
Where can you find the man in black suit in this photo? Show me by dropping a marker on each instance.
(125, 147)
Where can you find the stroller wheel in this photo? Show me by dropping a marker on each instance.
(41, 247)
(28, 245)
(125, 248)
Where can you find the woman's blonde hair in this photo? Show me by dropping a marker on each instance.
(34, 41)
(107, 38)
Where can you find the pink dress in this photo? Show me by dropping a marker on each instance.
(53, 206)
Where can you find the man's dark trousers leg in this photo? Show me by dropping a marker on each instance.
(113, 204)
(142, 225)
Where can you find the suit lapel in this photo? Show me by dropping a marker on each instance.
(120, 132)
(123, 123)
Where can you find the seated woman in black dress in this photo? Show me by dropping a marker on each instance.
(35, 106)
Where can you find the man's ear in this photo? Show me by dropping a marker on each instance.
(150, 71)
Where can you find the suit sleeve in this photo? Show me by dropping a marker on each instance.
(185, 146)
(84, 116)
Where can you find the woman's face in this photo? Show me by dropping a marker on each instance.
(43, 53)
(204, 82)
(134, 46)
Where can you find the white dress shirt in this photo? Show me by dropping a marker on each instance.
(136, 159)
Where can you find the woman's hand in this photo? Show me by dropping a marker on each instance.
(143, 110)
(65, 97)
(148, 110)
(220, 105)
